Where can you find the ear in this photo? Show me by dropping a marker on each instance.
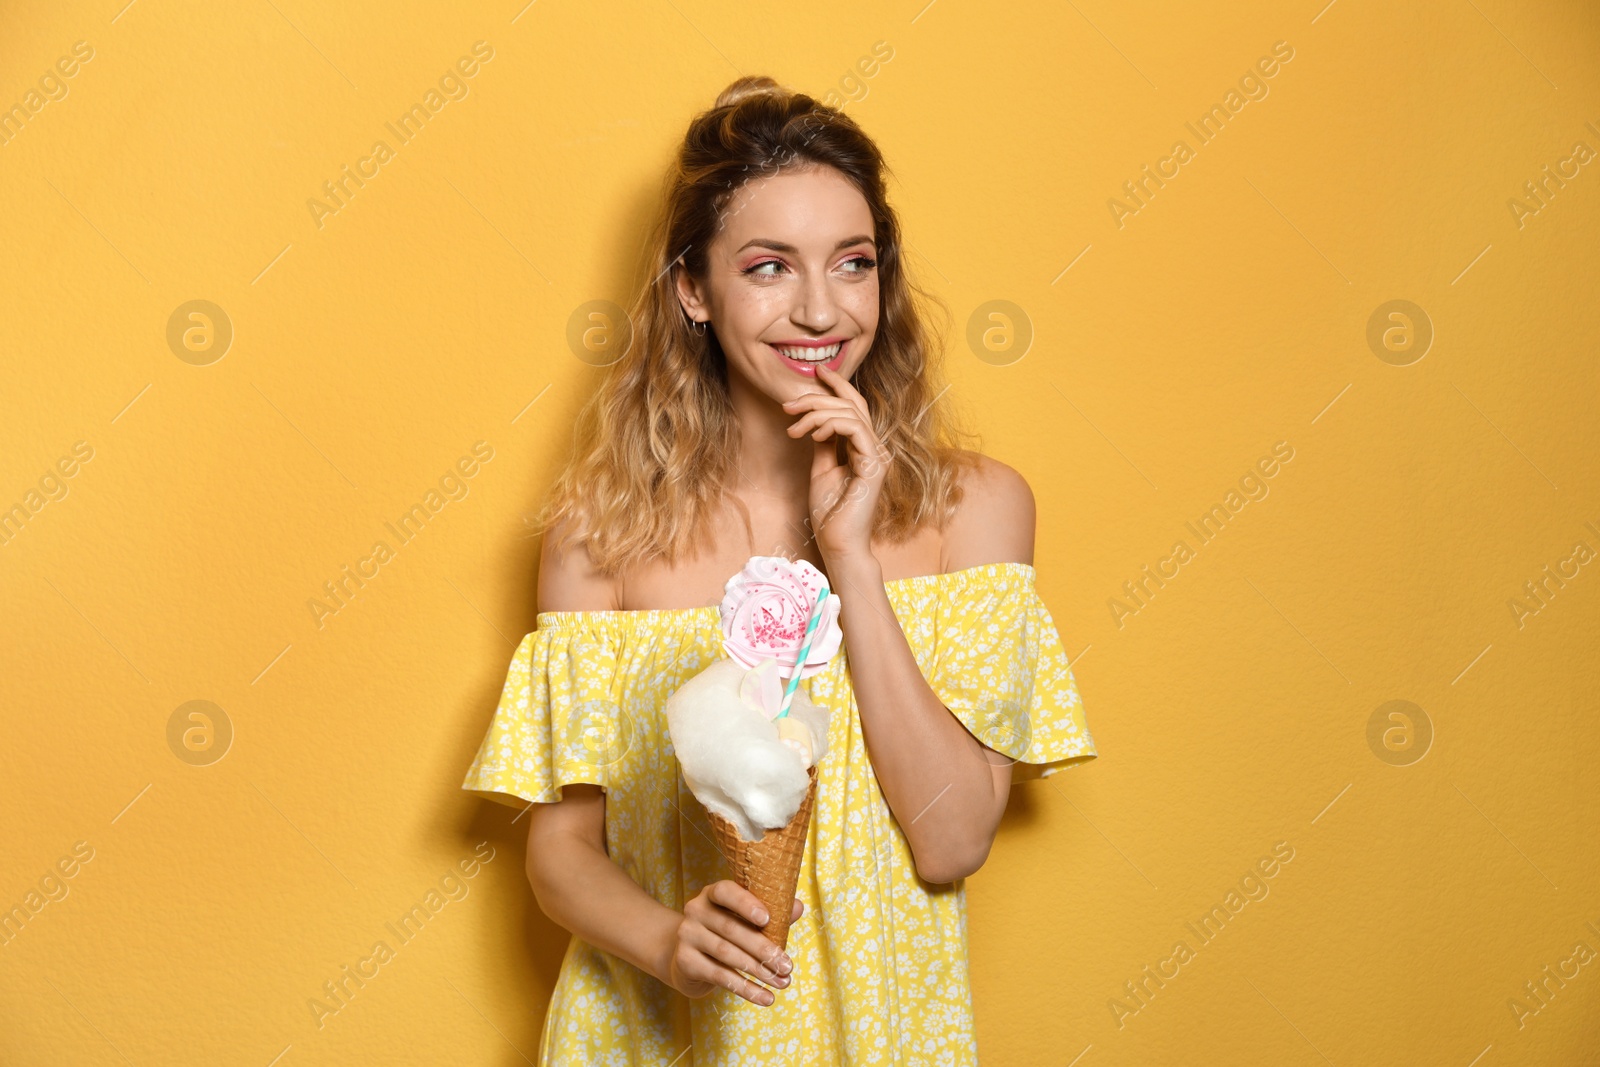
(691, 294)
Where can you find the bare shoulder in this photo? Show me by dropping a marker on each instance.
(568, 580)
(994, 522)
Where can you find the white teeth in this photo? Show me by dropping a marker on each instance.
(811, 355)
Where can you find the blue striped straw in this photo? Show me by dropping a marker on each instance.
(805, 651)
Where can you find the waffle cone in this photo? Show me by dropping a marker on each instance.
(770, 867)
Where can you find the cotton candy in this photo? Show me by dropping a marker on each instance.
(729, 748)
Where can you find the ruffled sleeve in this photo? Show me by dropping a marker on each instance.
(999, 666)
(559, 719)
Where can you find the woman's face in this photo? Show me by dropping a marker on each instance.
(791, 274)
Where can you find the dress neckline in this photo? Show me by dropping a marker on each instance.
(557, 619)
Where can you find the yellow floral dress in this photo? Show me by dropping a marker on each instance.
(880, 956)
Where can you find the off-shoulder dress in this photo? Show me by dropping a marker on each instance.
(880, 956)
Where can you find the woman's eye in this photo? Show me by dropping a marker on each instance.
(854, 265)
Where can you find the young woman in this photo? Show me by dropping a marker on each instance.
(777, 398)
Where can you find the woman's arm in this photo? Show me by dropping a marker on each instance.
(581, 889)
(947, 790)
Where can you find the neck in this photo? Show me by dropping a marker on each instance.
(771, 463)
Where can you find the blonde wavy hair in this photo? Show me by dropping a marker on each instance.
(654, 446)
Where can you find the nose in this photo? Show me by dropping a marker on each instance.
(815, 307)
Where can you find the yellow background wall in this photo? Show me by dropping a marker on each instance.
(1171, 348)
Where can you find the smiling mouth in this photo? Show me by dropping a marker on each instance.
(809, 353)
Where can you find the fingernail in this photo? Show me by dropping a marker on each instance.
(785, 965)
(761, 917)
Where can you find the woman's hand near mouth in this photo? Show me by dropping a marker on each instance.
(844, 494)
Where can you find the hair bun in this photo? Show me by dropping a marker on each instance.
(749, 85)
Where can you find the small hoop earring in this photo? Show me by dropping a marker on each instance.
(699, 327)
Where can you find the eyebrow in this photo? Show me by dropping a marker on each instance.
(779, 246)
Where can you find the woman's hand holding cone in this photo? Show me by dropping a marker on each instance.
(720, 935)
